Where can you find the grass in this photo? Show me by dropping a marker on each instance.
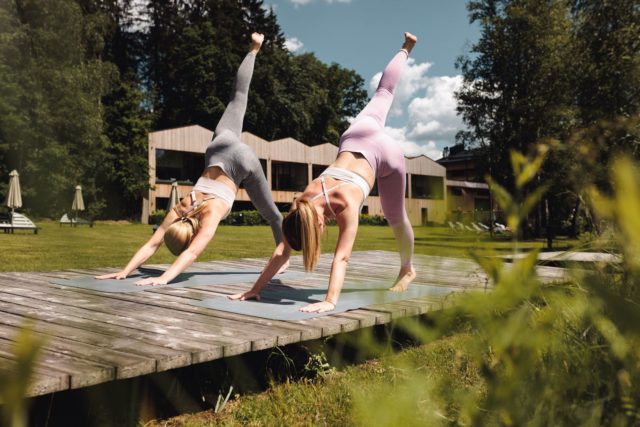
(112, 245)
(335, 398)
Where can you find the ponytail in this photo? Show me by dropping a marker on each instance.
(180, 233)
(302, 232)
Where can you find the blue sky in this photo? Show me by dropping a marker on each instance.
(364, 34)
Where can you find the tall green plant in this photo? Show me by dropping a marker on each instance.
(547, 354)
(15, 377)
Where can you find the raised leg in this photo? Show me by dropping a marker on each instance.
(233, 116)
(380, 104)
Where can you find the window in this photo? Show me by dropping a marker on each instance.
(178, 165)
(455, 191)
(316, 170)
(374, 190)
(481, 204)
(288, 176)
(263, 163)
(427, 187)
(162, 203)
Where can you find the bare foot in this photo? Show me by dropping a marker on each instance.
(406, 276)
(409, 41)
(256, 42)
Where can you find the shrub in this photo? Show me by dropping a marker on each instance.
(244, 218)
(157, 216)
(372, 219)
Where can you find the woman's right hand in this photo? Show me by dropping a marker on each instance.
(250, 294)
(118, 276)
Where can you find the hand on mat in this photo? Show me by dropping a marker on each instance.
(251, 294)
(153, 281)
(319, 307)
(118, 276)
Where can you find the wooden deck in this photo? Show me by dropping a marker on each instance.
(95, 337)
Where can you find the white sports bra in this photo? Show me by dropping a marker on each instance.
(347, 177)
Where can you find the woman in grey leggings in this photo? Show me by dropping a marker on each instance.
(189, 227)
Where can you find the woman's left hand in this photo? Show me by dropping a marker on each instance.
(152, 281)
(319, 307)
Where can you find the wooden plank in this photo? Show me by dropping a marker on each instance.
(73, 331)
(81, 373)
(226, 330)
(147, 320)
(40, 382)
(94, 337)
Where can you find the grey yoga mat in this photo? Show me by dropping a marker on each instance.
(281, 302)
(228, 277)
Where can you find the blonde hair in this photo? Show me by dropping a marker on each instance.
(180, 233)
(302, 231)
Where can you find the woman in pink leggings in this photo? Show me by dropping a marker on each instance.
(366, 153)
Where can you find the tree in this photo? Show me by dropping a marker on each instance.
(52, 131)
(608, 84)
(517, 89)
(195, 51)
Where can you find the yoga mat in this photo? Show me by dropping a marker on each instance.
(281, 302)
(229, 277)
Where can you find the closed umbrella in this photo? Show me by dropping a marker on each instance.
(78, 202)
(173, 196)
(14, 198)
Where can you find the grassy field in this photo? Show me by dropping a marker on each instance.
(336, 397)
(111, 245)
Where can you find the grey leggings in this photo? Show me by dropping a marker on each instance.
(237, 159)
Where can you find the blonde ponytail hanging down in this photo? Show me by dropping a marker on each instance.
(179, 234)
(302, 231)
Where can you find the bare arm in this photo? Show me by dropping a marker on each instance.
(208, 225)
(146, 251)
(348, 226)
(279, 258)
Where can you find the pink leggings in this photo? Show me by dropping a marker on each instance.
(366, 136)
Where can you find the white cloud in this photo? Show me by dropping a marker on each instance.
(413, 80)
(293, 44)
(411, 147)
(430, 106)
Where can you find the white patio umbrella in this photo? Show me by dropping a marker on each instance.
(78, 202)
(173, 196)
(14, 198)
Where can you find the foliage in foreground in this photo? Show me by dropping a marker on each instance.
(15, 376)
(549, 354)
(531, 354)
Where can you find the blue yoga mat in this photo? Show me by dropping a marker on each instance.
(281, 302)
(186, 279)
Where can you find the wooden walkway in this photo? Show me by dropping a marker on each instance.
(95, 337)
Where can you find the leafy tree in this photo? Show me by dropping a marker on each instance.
(517, 88)
(195, 51)
(608, 85)
(53, 130)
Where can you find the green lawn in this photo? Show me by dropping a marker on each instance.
(111, 245)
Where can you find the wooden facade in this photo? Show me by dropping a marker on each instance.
(289, 151)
